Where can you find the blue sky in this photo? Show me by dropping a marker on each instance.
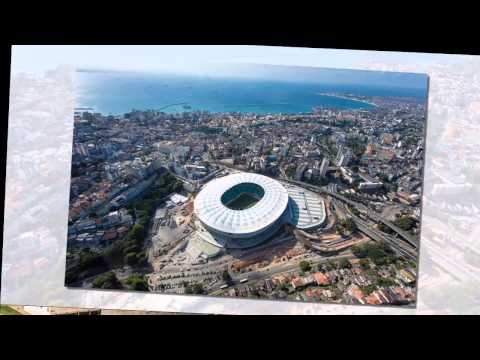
(207, 59)
(321, 75)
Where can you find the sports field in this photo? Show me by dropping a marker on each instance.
(242, 202)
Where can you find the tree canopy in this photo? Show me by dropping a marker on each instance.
(378, 252)
(405, 223)
(305, 265)
(107, 281)
(137, 282)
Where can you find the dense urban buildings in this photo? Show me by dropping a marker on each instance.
(316, 206)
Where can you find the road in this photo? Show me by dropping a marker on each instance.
(396, 243)
(405, 235)
(400, 247)
(254, 276)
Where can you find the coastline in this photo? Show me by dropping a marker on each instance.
(244, 110)
(347, 98)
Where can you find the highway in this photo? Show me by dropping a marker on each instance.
(412, 241)
(396, 243)
(399, 247)
(406, 236)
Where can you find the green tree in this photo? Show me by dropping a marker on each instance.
(137, 282)
(89, 260)
(378, 252)
(131, 258)
(357, 144)
(345, 264)
(384, 228)
(70, 277)
(255, 293)
(141, 258)
(226, 276)
(355, 211)
(367, 290)
(290, 171)
(339, 229)
(282, 287)
(113, 255)
(137, 232)
(197, 288)
(305, 266)
(405, 223)
(385, 282)
(364, 264)
(330, 265)
(384, 177)
(130, 248)
(350, 225)
(107, 281)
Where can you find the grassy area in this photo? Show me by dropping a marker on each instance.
(7, 310)
(242, 202)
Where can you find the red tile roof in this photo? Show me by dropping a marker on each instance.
(321, 279)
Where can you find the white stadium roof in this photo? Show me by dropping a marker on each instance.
(212, 212)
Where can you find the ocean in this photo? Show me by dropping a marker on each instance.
(114, 93)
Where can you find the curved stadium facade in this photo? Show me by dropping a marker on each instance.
(242, 210)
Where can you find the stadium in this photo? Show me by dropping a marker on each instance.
(241, 210)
